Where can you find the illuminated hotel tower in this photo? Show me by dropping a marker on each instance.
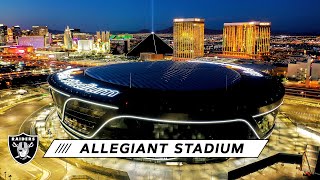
(103, 36)
(246, 39)
(3, 34)
(9, 35)
(188, 38)
(67, 38)
(98, 36)
(103, 41)
(40, 30)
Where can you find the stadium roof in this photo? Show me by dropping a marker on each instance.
(152, 44)
(176, 82)
(166, 75)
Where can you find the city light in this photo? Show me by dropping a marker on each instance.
(240, 40)
(188, 38)
(100, 90)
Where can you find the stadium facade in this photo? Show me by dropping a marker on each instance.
(167, 100)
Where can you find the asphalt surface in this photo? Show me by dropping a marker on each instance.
(17, 120)
(10, 125)
(302, 110)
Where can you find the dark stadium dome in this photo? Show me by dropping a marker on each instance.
(167, 100)
(166, 76)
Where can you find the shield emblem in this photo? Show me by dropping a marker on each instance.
(23, 147)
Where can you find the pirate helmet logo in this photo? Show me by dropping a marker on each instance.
(23, 147)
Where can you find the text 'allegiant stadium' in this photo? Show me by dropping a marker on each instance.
(161, 148)
(156, 148)
(66, 78)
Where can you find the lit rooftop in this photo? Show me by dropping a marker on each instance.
(248, 23)
(188, 20)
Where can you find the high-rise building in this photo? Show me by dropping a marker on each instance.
(108, 36)
(85, 45)
(103, 36)
(98, 36)
(246, 39)
(75, 30)
(26, 32)
(103, 41)
(188, 38)
(44, 32)
(40, 30)
(10, 35)
(76, 37)
(48, 39)
(67, 38)
(80, 36)
(17, 32)
(3, 34)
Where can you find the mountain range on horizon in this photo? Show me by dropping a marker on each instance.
(169, 30)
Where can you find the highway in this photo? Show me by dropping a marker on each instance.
(303, 92)
(24, 74)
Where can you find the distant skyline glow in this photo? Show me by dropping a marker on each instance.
(134, 15)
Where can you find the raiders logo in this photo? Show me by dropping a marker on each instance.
(23, 147)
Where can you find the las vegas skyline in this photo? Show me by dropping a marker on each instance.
(89, 16)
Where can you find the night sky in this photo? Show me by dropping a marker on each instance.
(133, 15)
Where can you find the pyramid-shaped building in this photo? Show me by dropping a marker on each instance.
(151, 44)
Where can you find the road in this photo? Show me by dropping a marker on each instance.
(10, 124)
(302, 110)
(15, 121)
(303, 92)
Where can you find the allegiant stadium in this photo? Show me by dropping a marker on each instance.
(166, 100)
